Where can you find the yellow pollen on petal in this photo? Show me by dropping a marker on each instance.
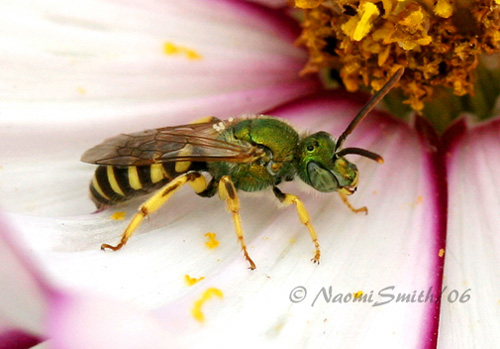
(118, 216)
(190, 281)
(208, 294)
(212, 241)
(171, 49)
(358, 294)
(81, 90)
(441, 252)
(192, 54)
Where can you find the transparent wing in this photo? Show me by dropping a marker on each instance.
(191, 142)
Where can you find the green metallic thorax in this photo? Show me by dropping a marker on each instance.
(279, 141)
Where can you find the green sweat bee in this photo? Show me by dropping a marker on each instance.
(248, 154)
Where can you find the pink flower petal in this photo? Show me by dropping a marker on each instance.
(15, 339)
(22, 292)
(32, 311)
(272, 3)
(77, 321)
(470, 302)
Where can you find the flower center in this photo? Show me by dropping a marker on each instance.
(440, 43)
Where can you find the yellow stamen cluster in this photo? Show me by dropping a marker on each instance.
(438, 42)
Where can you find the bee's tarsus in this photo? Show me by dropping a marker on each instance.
(110, 247)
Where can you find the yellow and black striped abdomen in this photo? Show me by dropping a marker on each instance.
(112, 184)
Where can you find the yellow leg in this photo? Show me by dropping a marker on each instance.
(348, 204)
(289, 199)
(227, 192)
(197, 182)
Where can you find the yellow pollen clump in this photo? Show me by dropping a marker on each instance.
(118, 216)
(443, 8)
(358, 294)
(212, 241)
(441, 252)
(208, 294)
(171, 49)
(191, 281)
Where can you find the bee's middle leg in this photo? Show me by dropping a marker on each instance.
(289, 199)
(195, 179)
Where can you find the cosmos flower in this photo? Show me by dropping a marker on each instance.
(418, 271)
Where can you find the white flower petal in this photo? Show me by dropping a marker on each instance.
(69, 59)
(471, 301)
(76, 73)
(394, 249)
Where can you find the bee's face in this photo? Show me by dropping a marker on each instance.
(319, 167)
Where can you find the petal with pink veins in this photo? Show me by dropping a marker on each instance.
(471, 300)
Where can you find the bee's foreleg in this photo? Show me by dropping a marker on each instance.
(195, 179)
(289, 199)
(227, 192)
(348, 204)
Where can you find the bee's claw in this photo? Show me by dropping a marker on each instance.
(362, 209)
(110, 247)
(247, 257)
(315, 259)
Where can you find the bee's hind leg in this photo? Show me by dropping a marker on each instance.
(195, 179)
(227, 192)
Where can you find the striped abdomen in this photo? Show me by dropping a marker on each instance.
(112, 184)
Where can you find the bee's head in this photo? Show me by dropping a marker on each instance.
(322, 169)
(320, 159)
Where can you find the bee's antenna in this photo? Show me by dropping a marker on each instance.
(362, 152)
(369, 106)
